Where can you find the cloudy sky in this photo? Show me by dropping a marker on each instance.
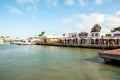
(25, 18)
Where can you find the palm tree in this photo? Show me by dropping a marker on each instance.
(42, 37)
(63, 34)
(41, 34)
(96, 28)
(116, 29)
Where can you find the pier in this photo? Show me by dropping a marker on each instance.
(110, 55)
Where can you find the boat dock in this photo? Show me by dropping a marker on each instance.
(110, 55)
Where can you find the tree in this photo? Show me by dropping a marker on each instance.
(96, 28)
(63, 34)
(41, 34)
(116, 29)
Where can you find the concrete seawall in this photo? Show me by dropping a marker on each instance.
(84, 46)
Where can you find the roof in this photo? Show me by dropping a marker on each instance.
(57, 36)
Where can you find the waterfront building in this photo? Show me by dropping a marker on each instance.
(7, 39)
(53, 39)
(15, 40)
(72, 38)
(116, 37)
(1, 40)
(96, 37)
(32, 40)
(84, 38)
(116, 34)
(4, 39)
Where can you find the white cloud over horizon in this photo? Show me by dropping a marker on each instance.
(85, 22)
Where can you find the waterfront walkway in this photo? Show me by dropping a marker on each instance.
(110, 55)
(115, 51)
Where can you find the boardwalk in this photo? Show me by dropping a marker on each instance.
(110, 55)
(115, 51)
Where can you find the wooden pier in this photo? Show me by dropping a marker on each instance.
(110, 55)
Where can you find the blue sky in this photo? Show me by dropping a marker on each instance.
(25, 18)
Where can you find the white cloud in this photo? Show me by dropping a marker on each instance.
(33, 4)
(118, 13)
(89, 20)
(52, 3)
(85, 22)
(112, 21)
(29, 8)
(15, 10)
(67, 21)
(81, 2)
(69, 2)
(98, 2)
(27, 1)
(96, 18)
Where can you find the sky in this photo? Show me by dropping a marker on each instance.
(28, 18)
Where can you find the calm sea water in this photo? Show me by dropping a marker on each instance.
(18, 62)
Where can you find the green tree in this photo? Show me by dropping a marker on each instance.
(116, 29)
(41, 34)
(63, 34)
(96, 28)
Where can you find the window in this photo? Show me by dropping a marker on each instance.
(72, 35)
(75, 35)
(96, 34)
(92, 34)
(86, 34)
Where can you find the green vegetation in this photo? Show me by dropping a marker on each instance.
(116, 29)
(108, 35)
(96, 28)
(41, 34)
(63, 34)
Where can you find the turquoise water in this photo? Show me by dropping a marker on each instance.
(25, 62)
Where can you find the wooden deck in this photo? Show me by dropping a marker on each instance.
(115, 51)
(110, 55)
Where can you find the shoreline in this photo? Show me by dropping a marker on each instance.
(92, 46)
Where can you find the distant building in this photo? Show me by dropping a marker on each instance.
(83, 35)
(73, 35)
(1, 40)
(52, 39)
(115, 34)
(4, 39)
(84, 38)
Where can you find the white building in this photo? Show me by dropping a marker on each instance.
(73, 35)
(115, 34)
(84, 38)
